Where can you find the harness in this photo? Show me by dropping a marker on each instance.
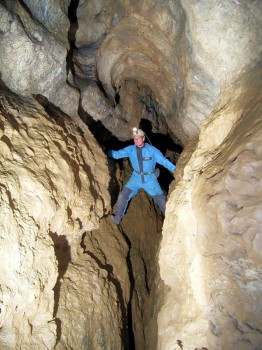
(144, 172)
(140, 161)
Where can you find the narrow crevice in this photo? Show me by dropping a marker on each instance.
(146, 275)
(72, 15)
(143, 237)
(53, 111)
(117, 99)
(132, 285)
(63, 256)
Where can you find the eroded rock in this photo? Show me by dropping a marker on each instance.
(186, 67)
(53, 189)
(210, 255)
(33, 60)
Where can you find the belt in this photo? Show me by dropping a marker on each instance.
(145, 172)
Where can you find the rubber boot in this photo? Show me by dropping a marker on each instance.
(160, 200)
(122, 202)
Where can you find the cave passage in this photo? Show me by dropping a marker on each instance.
(142, 224)
(75, 78)
(141, 228)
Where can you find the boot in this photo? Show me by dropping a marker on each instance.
(116, 219)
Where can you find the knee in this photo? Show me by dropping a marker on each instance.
(124, 194)
(159, 197)
(160, 200)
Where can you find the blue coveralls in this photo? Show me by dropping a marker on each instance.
(143, 176)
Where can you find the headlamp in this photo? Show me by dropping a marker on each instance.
(138, 132)
(135, 131)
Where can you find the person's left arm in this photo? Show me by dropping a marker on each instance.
(162, 160)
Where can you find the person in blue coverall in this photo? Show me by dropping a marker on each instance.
(143, 158)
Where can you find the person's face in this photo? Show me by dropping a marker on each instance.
(139, 140)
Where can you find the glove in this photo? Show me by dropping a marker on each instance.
(157, 172)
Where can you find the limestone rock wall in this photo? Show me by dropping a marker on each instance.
(170, 61)
(191, 68)
(53, 184)
(224, 42)
(52, 15)
(210, 254)
(94, 292)
(119, 61)
(33, 52)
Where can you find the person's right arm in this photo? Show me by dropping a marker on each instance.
(122, 153)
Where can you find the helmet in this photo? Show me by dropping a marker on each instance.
(138, 132)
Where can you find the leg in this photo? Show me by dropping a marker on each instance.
(153, 188)
(125, 195)
(160, 200)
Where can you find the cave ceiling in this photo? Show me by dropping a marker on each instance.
(117, 62)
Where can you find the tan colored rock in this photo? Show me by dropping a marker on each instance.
(188, 67)
(53, 175)
(95, 291)
(224, 41)
(210, 254)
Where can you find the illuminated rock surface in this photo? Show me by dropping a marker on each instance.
(76, 76)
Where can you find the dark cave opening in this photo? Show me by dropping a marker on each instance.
(72, 15)
(63, 255)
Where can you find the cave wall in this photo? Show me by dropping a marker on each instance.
(95, 291)
(33, 52)
(176, 58)
(119, 61)
(210, 253)
(54, 184)
(193, 69)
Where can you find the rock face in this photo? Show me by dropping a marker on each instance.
(210, 255)
(69, 278)
(94, 293)
(54, 190)
(168, 62)
(33, 55)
